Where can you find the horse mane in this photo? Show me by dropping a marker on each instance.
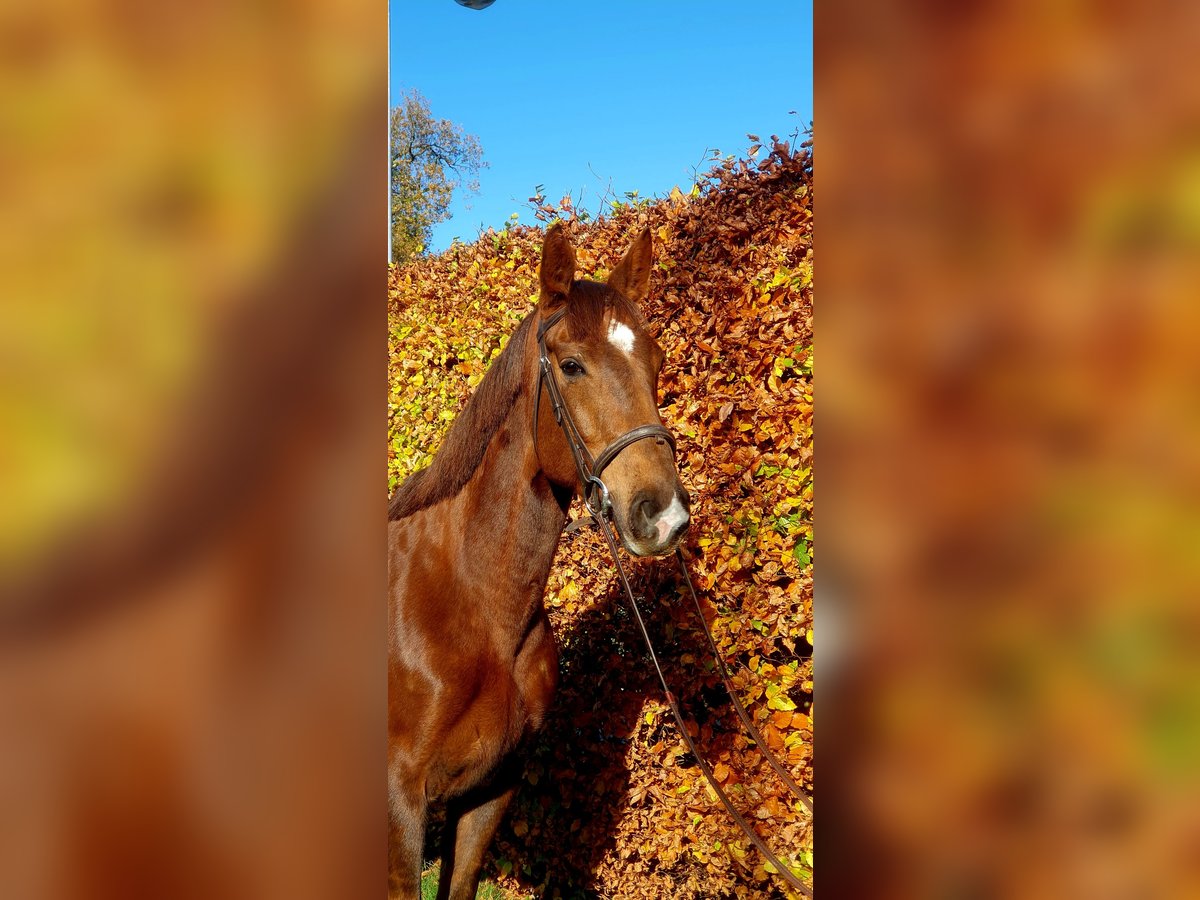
(463, 448)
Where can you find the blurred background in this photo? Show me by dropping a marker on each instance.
(192, 286)
(1009, 226)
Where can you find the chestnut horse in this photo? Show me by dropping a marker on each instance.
(472, 665)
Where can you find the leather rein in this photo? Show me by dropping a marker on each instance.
(598, 503)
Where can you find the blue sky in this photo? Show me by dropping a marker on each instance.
(575, 96)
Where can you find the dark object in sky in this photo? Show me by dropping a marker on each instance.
(475, 4)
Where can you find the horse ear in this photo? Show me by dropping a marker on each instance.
(557, 271)
(631, 276)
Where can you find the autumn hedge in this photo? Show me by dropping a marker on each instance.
(613, 805)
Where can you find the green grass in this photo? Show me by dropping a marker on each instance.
(487, 890)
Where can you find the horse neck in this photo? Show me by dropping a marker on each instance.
(508, 520)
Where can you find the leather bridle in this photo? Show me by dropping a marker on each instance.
(599, 506)
(595, 492)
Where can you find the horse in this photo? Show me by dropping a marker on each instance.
(472, 663)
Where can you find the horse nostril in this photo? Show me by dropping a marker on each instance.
(645, 512)
(658, 521)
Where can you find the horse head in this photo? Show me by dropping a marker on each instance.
(603, 365)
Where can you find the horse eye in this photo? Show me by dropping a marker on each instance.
(571, 368)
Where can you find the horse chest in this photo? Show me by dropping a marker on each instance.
(499, 705)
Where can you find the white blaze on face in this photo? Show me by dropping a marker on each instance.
(620, 336)
(670, 519)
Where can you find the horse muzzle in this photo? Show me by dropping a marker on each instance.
(654, 527)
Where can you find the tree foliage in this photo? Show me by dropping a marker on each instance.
(430, 158)
(613, 805)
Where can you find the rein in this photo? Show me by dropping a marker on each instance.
(598, 503)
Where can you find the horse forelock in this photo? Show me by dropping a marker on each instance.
(590, 304)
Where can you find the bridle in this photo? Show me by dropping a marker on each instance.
(597, 501)
(595, 492)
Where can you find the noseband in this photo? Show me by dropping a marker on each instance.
(595, 492)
